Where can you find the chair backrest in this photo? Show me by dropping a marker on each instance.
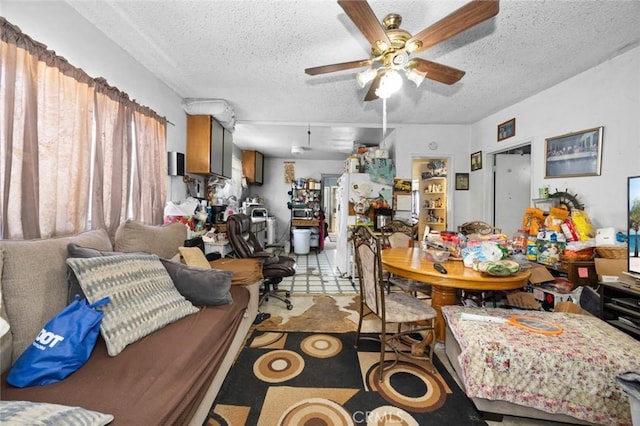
(367, 255)
(242, 240)
(398, 234)
(478, 227)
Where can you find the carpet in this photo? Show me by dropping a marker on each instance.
(302, 378)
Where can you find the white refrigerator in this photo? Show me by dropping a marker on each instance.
(357, 189)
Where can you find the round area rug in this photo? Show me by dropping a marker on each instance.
(278, 366)
(315, 411)
(409, 387)
(321, 346)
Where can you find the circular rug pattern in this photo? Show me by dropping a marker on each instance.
(266, 339)
(409, 387)
(315, 411)
(389, 415)
(321, 346)
(278, 366)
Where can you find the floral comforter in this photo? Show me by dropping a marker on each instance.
(572, 373)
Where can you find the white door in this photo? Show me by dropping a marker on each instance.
(512, 190)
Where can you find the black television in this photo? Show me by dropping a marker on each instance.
(633, 199)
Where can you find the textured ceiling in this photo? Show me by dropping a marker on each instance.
(253, 55)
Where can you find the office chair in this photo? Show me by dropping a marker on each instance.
(274, 268)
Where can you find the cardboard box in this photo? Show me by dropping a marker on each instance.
(549, 298)
(609, 267)
(540, 274)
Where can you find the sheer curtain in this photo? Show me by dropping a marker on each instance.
(74, 152)
(112, 165)
(150, 175)
(46, 121)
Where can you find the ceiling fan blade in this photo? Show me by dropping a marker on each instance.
(371, 93)
(362, 15)
(438, 72)
(338, 67)
(463, 18)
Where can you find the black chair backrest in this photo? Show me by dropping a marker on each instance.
(242, 240)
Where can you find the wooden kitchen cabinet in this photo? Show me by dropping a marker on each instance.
(209, 146)
(252, 166)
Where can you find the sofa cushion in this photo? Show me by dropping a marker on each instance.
(143, 297)
(200, 286)
(34, 281)
(42, 413)
(161, 240)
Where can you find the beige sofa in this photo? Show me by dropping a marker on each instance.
(147, 382)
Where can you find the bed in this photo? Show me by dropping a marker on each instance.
(565, 378)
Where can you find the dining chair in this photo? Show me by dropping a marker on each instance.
(411, 315)
(398, 233)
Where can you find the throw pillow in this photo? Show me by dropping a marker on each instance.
(193, 256)
(143, 296)
(200, 286)
(42, 413)
(74, 250)
(161, 240)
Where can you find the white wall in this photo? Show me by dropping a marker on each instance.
(607, 95)
(412, 142)
(63, 30)
(275, 190)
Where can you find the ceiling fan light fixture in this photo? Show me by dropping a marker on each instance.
(390, 83)
(415, 76)
(365, 76)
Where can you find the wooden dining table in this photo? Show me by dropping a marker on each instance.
(412, 263)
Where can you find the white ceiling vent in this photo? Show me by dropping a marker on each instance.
(218, 108)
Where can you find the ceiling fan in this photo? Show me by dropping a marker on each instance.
(391, 46)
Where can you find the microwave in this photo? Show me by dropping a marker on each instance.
(302, 213)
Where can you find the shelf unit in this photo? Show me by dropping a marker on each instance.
(433, 203)
(309, 199)
(611, 311)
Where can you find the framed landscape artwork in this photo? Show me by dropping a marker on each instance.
(506, 129)
(574, 154)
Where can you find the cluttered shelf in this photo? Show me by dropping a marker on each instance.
(620, 306)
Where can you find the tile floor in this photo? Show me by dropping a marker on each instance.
(316, 273)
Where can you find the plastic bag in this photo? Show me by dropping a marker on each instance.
(62, 346)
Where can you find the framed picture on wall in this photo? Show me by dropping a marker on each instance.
(476, 161)
(462, 181)
(506, 129)
(574, 154)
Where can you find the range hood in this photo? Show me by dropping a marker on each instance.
(218, 108)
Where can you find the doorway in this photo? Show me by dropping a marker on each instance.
(511, 187)
(329, 200)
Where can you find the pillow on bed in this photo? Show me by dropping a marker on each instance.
(200, 286)
(143, 296)
(42, 413)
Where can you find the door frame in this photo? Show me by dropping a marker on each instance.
(491, 184)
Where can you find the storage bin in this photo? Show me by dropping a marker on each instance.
(301, 241)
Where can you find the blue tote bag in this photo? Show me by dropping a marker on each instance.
(62, 346)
